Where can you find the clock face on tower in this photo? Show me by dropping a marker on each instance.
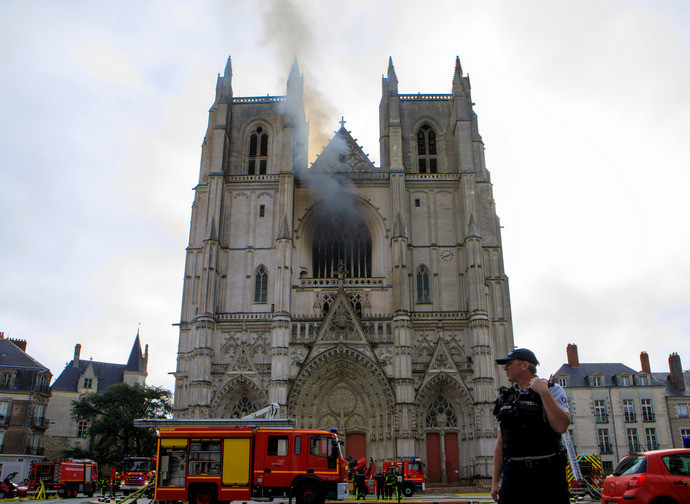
(447, 255)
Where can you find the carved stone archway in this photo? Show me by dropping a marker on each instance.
(345, 389)
(238, 394)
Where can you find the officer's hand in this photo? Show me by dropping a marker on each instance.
(495, 487)
(539, 385)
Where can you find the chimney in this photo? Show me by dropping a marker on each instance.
(676, 376)
(573, 359)
(77, 351)
(19, 343)
(644, 362)
(2, 335)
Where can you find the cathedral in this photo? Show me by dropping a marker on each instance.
(371, 299)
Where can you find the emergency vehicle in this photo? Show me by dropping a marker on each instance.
(67, 477)
(136, 473)
(590, 479)
(412, 471)
(204, 461)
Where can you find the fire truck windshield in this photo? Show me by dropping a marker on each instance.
(136, 465)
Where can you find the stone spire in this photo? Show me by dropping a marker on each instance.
(390, 83)
(457, 78)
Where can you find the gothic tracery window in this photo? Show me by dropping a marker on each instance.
(243, 407)
(257, 156)
(441, 409)
(423, 285)
(341, 240)
(426, 149)
(261, 285)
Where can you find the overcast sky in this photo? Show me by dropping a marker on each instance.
(584, 108)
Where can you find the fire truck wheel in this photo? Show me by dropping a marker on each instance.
(203, 495)
(2, 494)
(309, 494)
(408, 489)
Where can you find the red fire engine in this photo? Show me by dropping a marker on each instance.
(412, 471)
(67, 477)
(204, 461)
(136, 473)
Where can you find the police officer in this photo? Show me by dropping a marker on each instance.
(529, 462)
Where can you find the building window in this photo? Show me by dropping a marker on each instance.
(88, 383)
(257, 158)
(643, 380)
(423, 285)
(684, 433)
(647, 411)
(682, 410)
(600, 411)
(441, 411)
(604, 441)
(39, 411)
(341, 245)
(82, 428)
(650, 437)
(562, 381)
(629, 410)
(242, 408)
(426, 149)
(6, 380)
(624, 381)
(261, 287)
(262, 210)
(633, 441)
(4, 411)
(596, 381)
(606, 467)
(417, 202)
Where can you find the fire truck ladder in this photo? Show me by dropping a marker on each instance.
(572, 458)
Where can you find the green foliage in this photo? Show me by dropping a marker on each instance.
(111, 418)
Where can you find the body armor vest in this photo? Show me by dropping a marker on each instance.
(524, 427)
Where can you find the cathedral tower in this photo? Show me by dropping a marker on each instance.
(371, 299)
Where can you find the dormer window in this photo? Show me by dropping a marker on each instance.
(624, 380)
(6, 380)
(257, 157)
(596, 381)
(426, 149)
(88, 383)
(562, 381)
(642, 380)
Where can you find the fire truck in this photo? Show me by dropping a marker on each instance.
(204, 461)
(67, 477)
(590, 478)
(412, 472)
(136, 473)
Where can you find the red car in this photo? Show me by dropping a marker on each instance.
(659, 476)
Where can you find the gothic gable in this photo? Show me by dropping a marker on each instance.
(342, 154)
(341, 327)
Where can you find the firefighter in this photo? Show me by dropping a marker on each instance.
(379, 479)
(360, 485)
(390, 479)
(532, 414)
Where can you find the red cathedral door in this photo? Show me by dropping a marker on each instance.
(452, 469)
(433, 458)
(356, 445)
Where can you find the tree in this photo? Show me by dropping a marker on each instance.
(111, 420)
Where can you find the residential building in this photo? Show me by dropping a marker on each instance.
(614, 408)
(79, 378)
(24, 396)
(368, 298)
(677, 392)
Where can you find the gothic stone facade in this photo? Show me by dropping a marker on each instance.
(370, 299)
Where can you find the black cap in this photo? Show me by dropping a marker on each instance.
(519, 354)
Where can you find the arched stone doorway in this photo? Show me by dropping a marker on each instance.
(345, 389)
(445, 412)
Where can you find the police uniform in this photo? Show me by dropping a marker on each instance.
(533, 457)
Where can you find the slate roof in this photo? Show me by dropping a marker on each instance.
(671, 390)
(107, 373)
(578, 375)
(26, 367)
